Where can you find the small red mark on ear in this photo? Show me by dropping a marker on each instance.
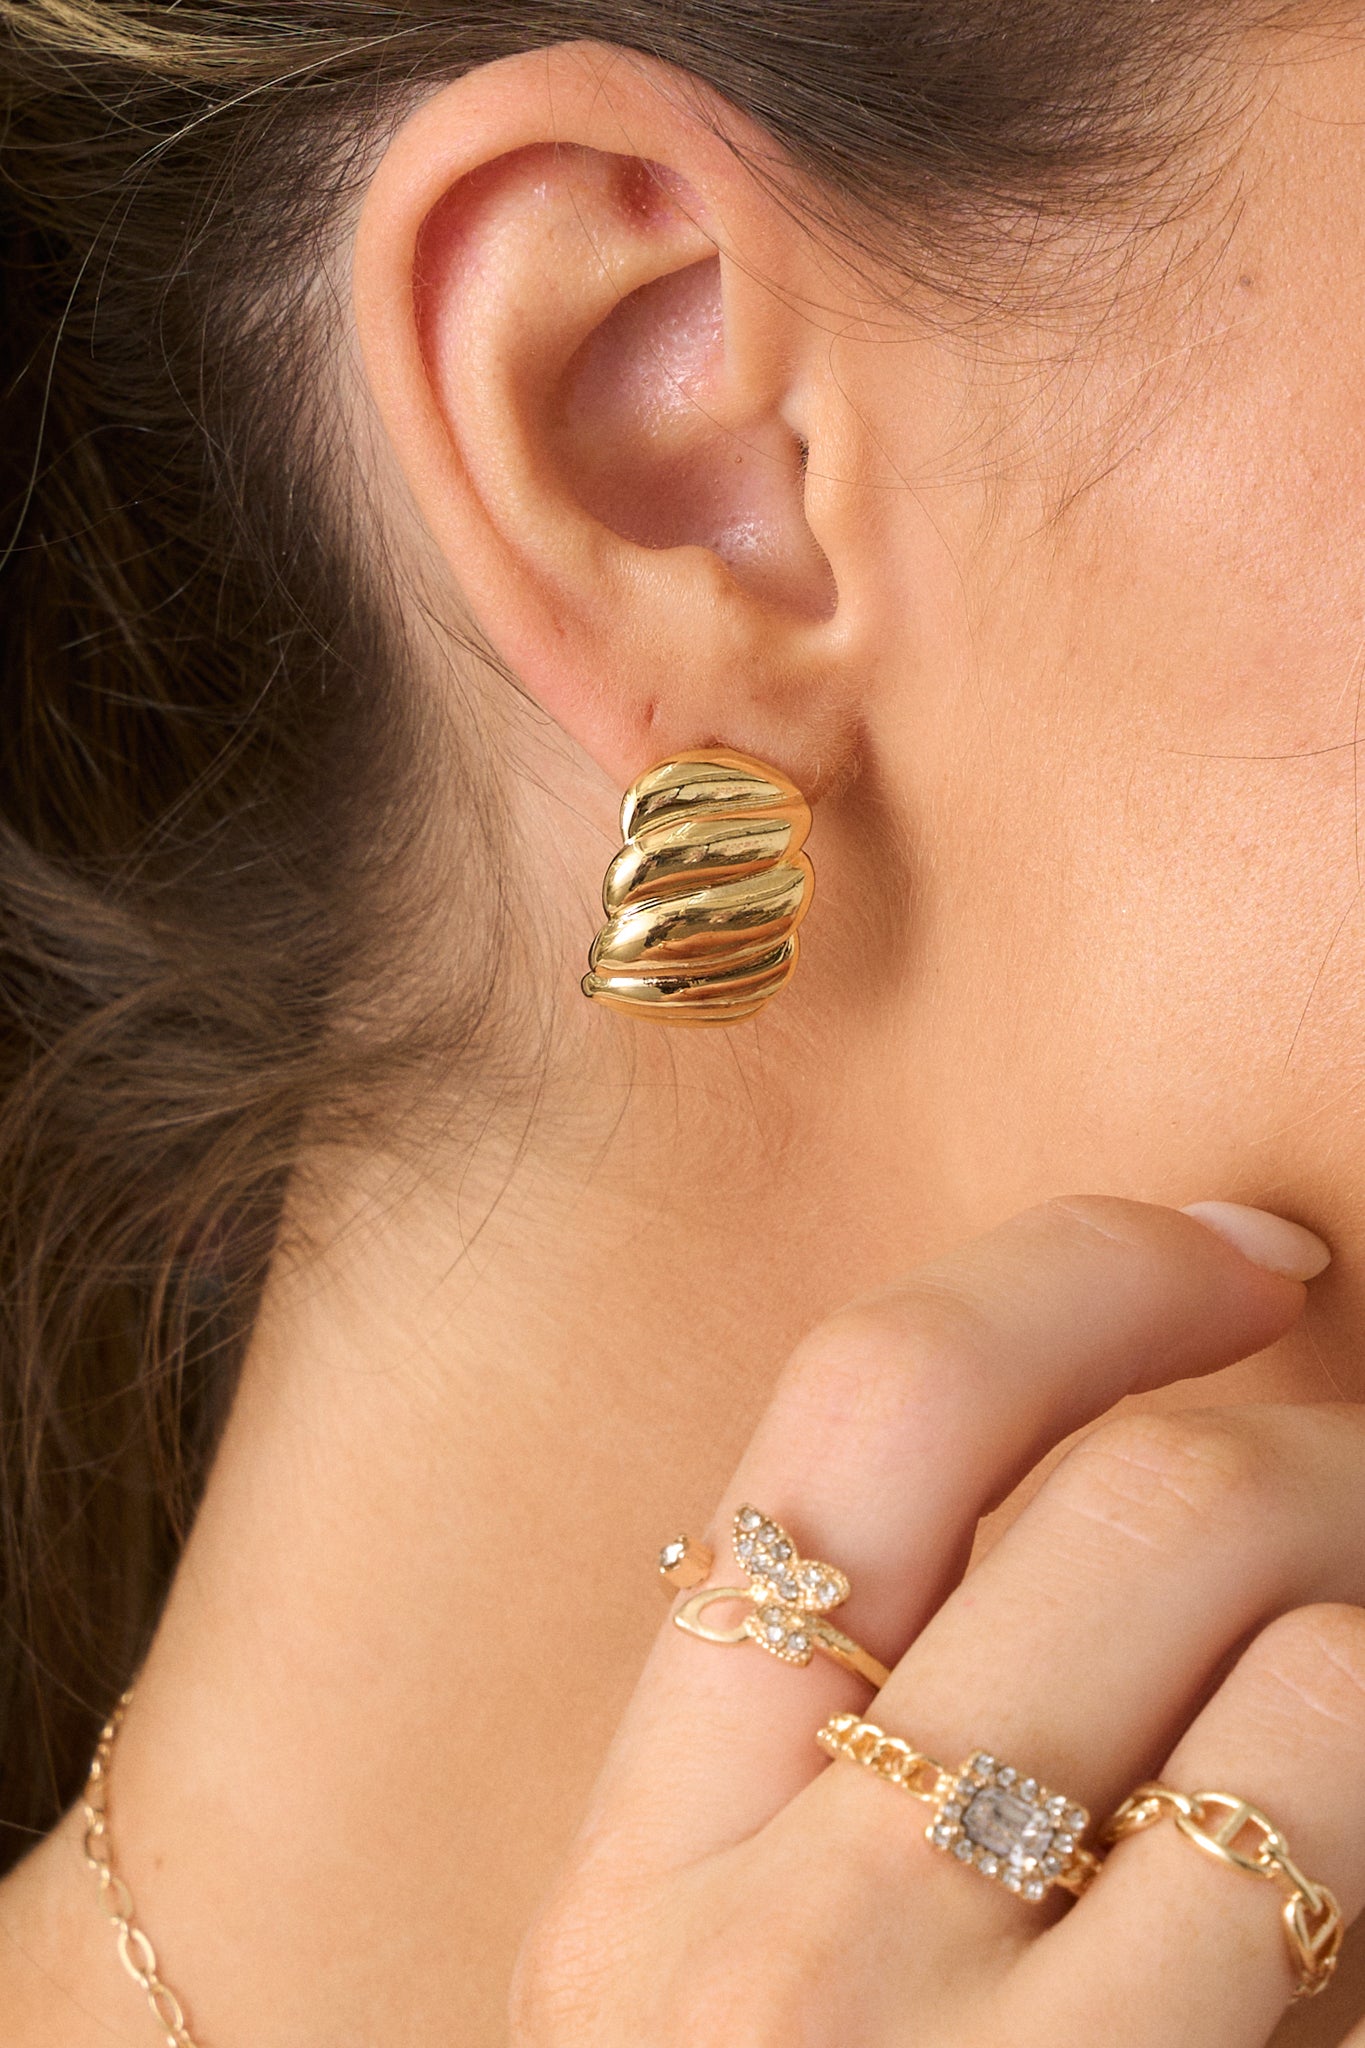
(641, 190)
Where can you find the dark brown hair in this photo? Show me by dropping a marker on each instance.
(205, 736)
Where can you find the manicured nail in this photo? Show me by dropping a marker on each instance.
(1270, 1241)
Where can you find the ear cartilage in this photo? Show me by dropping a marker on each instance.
(704, 898)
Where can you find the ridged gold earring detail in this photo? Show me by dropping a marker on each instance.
(705, 896)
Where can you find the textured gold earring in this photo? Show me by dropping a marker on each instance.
(704, 898)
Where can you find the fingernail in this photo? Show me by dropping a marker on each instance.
(1270, 1241)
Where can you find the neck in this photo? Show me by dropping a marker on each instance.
(421, 1585)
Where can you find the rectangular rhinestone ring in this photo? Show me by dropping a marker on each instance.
(1010, 1828)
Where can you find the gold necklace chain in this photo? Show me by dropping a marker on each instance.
(135, 1952)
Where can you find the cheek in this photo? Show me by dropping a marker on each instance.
(1232, 655)
(1148, 842)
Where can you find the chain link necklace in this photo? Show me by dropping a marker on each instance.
(135, 1952)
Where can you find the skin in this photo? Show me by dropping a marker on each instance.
(1057, 621)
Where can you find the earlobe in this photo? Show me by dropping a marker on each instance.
(561, 344)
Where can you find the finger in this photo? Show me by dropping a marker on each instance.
(1197, 1948)
(897, 1425)
(1092, 1633)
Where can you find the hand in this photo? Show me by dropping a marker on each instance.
(1181, 1599)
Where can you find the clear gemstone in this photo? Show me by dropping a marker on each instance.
(1076, 1820)
(942, 1835)
(1012, 1881)
(1064, 1844)
(1006, 1776)
(1056, 1806)
(774, 1632)
(983, 1763)
(953, 1812)
(672, 1553)
(799, 1643)
(1029, 1789)
(1001, 1821)
(963, 1851)
(1034, 1889)
(990, 1864)
(749, 1518)
(1051, 1866)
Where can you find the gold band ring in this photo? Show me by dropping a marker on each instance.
(1239, 1834)
(788, 1597)
(986, 1814)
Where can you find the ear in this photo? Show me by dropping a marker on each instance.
(580, 317)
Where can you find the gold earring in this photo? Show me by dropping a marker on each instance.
(704, 898)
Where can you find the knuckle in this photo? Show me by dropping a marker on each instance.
(1169, 1480)
(598, 1967)
(879, 1361)
(753, 2006)
(1313, 1660)
(775, 1991)
(556, 1988)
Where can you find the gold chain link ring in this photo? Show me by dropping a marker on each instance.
(135, 1952)
(986, 1814)
(1240, 1835)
